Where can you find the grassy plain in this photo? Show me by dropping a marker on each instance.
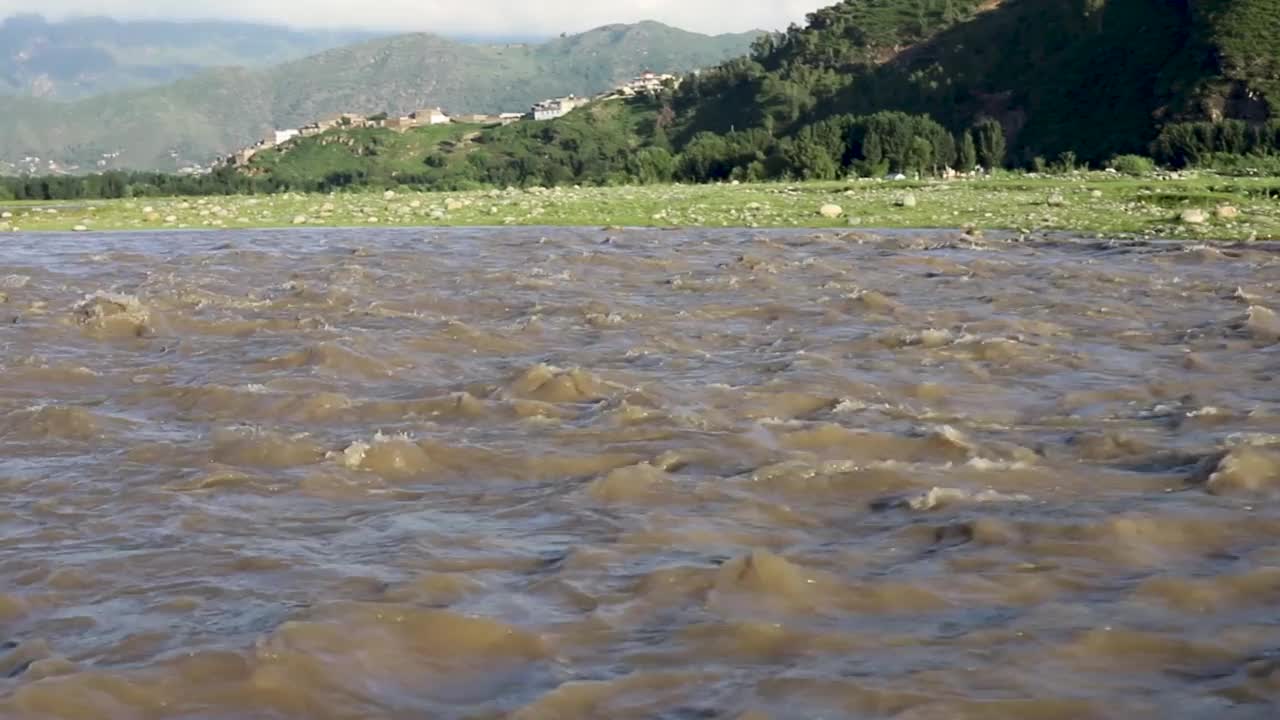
(1088, 204)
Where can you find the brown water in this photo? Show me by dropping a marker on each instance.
(550, 474)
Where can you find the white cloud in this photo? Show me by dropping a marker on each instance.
(490, 17)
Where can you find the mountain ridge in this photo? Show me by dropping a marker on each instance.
(85, 56)
(194, 119)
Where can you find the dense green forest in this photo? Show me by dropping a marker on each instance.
(867, 87)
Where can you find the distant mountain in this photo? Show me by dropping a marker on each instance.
(218, 111)
(87, 56)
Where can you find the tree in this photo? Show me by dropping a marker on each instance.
(704, 159)
(968, 153)
(920, 155)
(872, 150)
(809, 159)
(651, 165)
(944, 146)
(991, 143)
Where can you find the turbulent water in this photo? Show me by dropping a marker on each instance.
(557, 475)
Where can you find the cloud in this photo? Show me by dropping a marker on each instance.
(489, 17)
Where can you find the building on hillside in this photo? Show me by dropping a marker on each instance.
(647, 83)
(284, 136)
(558, 107)
(346, 120)
(476, 119)
(417, 118)
(508, 118)
(430, 116)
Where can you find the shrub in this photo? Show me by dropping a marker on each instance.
(1132, 164)
(1242, 165)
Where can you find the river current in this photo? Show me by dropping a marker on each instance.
(547, 474)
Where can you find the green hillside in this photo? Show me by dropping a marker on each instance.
(82, 57)
(601, 143)
(1096, 77)
(875, 86)
(194, 120)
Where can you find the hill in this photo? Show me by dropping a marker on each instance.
(875, 86)
(1094, 77)
(195, 119)
(88, 56)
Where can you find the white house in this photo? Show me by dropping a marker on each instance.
(430, 116)
(282, 136)
(552, 109)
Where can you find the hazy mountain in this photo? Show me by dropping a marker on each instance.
(217, 111)
(87, 56)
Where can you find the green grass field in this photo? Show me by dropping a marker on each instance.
(1092, 205)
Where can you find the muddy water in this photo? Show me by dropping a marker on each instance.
(526, 474)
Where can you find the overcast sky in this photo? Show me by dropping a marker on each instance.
(490, 17)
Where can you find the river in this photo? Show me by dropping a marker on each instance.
(548, 474)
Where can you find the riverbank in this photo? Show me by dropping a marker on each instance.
(1191, 207)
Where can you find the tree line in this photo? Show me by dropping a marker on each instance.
(122, 184)
(1206, 143)
(574, 150)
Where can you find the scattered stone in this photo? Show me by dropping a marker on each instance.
(1227, 212)
(437, 214)
(171, 218)
(327, 207)
(300, 220)
(1194, 217)
(388, 194)
(80, 228)
(830, 211)
(148, 210)
(1095, 194)
(907, 201)
(452, 204)
(6, 215)
(1056, 200)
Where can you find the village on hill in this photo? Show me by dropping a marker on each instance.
(647, 83)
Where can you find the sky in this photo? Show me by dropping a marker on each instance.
(487, 17)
